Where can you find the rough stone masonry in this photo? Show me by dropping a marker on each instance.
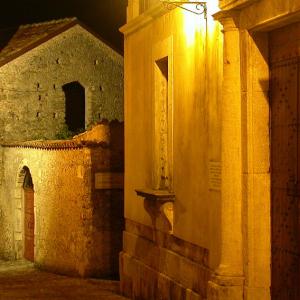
(37, 62)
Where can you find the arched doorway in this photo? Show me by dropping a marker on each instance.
(28, 215)
(75, 106)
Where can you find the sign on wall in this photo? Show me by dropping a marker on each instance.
(109, 180)
(214, 170)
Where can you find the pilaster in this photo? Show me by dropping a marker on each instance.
(228, 280)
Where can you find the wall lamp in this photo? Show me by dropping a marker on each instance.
(199, 7)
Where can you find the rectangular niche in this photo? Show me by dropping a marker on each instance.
(163, 115)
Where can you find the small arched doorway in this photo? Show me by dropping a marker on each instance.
(28, 215)
(75, 106)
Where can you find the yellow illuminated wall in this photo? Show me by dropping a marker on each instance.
(197, 73)
(173, 74)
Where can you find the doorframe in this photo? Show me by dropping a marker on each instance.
(256, 133)
(256, 177)
(253, 37)
(19, 213)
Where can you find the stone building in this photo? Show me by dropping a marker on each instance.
(212, 150)
(56, 76)
(61, 202)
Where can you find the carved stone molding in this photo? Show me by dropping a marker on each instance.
(236, 4)
(230, 19)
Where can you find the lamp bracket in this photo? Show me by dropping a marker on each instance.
(200, 7)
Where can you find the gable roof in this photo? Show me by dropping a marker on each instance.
(16, 41)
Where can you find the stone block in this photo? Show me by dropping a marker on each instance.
(141, 248)
(169, 264)
(190, 295)
(163, 286)
(189, 274)
(223, 292)
(170, 276)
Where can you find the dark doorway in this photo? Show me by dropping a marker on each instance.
(285, 161)
(28, 216)
(75, 106)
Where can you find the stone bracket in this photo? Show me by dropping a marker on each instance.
(159, 202)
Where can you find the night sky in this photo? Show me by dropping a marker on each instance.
(103, 16)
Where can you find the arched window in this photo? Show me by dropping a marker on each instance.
(27, 183)
(75, 106)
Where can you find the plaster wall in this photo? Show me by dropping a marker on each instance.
(60, 236)
(31, 95)
(194, 49)
(244, 270)
(196, 142)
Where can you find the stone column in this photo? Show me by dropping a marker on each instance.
(227, 281)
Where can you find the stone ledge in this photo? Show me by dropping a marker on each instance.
(159, 203)
(156, 195)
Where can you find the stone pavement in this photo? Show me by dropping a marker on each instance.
(20, 281)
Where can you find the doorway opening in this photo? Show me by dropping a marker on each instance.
(74, 106)
(285, 163)
(29, 220)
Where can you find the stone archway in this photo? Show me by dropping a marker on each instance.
(28, 213)
(24, 215)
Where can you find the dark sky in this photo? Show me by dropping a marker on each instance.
(103, 16)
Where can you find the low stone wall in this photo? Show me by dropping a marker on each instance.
(78, 222)
(157, 265)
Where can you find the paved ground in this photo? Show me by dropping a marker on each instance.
(20, 281)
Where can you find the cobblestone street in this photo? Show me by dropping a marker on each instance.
(21, 280)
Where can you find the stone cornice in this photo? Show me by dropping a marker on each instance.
(142, 20)
(237, 4)
(228, 18)
(274, 22)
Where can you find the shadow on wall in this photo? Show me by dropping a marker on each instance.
(108, 203)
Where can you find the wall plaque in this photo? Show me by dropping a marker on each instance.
(214, 175)
(109, 180)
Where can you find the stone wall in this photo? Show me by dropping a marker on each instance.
(157, 265)
(31, 95)
(172, 136)
(78, 224)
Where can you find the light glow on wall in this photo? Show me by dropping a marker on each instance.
(212, 8)
(194, 23)
(192, 26)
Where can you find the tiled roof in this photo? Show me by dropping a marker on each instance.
(17, 41)
(55, 144)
